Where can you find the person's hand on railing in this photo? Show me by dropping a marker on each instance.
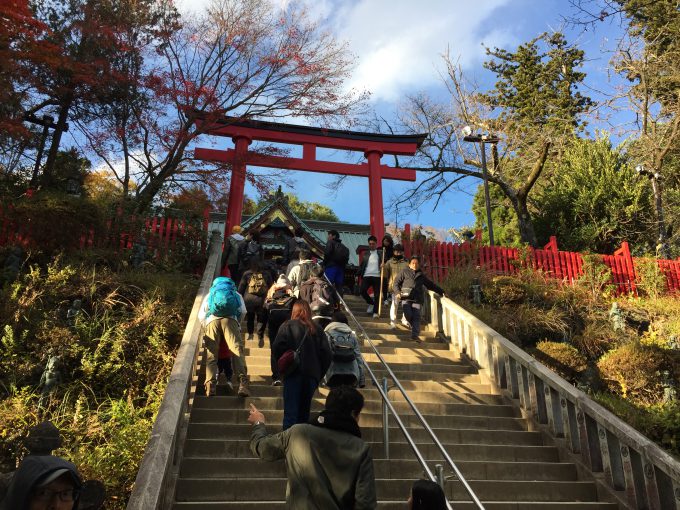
(255, 417)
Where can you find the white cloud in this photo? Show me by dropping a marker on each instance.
(399, 42)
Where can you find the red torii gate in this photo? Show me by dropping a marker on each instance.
(373, 145)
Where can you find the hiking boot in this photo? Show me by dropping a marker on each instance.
(210, 388)
(369, 309)
(250, 336)
(277, 382)
(393, 325)
(260, 341)
(244, 387)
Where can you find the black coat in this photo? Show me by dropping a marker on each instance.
(315, 355)
(415, 280)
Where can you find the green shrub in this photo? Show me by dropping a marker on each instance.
(560, 357)
(598, 337)
(633, 371)
(650, 279)
(659, 422)
(596, 277)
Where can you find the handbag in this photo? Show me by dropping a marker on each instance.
(406, 293)
(289, 361)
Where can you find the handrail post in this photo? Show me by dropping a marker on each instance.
(439, 469)
(386, 422)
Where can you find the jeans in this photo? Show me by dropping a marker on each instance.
(336, 275)
(298, 391)
(259, 315)
(371, 281)
(274, 365)
(413, 316)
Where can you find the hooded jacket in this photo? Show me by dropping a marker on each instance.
(233, 248)
(329, 466)
(315, 355)
(32, 470)
(356, 367)
(415, 280)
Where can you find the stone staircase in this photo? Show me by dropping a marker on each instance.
(508, 466)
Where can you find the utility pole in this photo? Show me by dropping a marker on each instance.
(47, 122)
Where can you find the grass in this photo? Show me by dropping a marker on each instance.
(115, 358)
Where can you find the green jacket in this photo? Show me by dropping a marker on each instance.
(327, 469)
(392, 269)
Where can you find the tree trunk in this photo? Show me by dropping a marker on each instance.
(56, 141)
(526, 224)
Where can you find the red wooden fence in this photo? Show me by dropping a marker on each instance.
(161, 233)
(438, 258)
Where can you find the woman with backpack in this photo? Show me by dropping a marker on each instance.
(279, 307)
(299, 338)
(253, 287)
(347, 364)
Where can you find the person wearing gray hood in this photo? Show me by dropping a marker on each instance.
(43, 482)
(347, 364)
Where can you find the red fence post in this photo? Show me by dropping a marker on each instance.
(627, 266)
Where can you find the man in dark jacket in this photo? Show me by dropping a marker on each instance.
(43, 482)
(369, 271)
(279, 306)
(409, 289)
(293, 246)
(253, 287)
(335, 258)
(329, 466)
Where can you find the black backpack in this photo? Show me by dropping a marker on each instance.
(323, 297)
(342, 347)
(341, 254)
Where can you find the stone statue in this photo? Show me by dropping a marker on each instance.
(670, 392)
(138, 254)
(12, 265)
(616, 317)
(73, 311)
(476, 291)
(50, 378)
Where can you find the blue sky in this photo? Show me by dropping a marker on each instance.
(398, 45)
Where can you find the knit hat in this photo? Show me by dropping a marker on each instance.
(236, 229)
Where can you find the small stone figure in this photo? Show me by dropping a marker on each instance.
(73, 311)
(12, 265)
(49, 380)
(138, 254)
(616, 317)
(670, 392)
(476, 291)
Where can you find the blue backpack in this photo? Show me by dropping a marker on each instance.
(223, 299)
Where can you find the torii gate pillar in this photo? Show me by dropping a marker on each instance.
(375, 194)
(238, 183)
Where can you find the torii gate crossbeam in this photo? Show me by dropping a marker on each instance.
(373, 146)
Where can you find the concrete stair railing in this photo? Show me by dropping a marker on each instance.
(624, 462)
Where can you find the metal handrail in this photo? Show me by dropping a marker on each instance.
(410, 402)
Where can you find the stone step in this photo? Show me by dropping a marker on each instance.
(401, 505)
(370, 406)
(418, 397)
(433, 350)
(201, 467)
(224, 489)
(397, 363)
(399, 449)
(219, 417)
(260, 358)
(227, 431)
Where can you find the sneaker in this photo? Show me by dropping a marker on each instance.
(244, 388)
(222, 379)
(277, 382)
(405, 323)
(230, 387)
(376, 316)
(260, 341)
(417, 339)
(250, 336)
(369, 309)
(393, 325)
(210, 389)
(386, 302)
